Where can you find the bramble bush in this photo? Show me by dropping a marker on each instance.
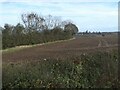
(95, 70)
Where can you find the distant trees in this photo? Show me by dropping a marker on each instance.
(37, 29)
(92, 33)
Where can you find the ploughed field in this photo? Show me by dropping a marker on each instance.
(64, 49)
(83, 62)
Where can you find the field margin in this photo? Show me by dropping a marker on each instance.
(17, 48)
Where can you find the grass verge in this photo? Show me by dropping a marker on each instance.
(17, 48)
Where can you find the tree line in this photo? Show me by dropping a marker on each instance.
(37, 29)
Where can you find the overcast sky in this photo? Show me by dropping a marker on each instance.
(95, 15)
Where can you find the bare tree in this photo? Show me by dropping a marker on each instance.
(49, 22)
(57, 22)
(33, 22)
(52, 22)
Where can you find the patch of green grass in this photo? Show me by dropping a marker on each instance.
(12, 50)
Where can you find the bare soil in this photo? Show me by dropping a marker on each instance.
(63, 49)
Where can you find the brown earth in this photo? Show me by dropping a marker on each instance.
(63, 49)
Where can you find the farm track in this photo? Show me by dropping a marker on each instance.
(63, 49)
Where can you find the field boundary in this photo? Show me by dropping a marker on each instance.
(28, 46)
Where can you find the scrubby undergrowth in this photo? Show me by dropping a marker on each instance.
(95, 70)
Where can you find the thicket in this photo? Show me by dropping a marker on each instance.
(96, 70)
